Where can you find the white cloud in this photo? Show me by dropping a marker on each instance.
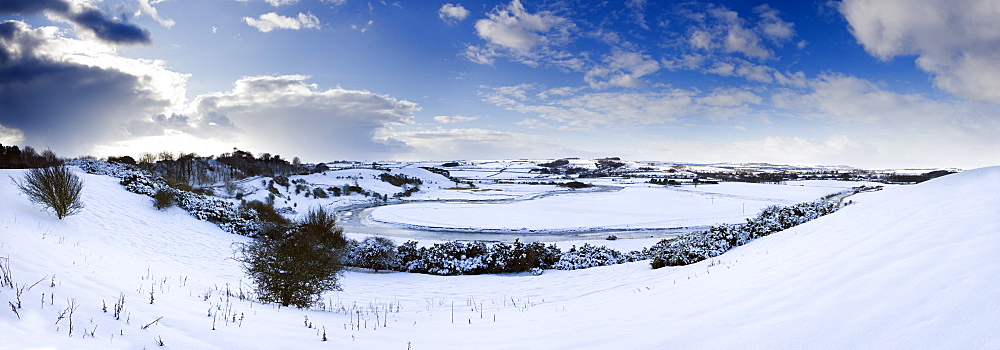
(453, 119)
(958, 42)
(533, 123)
(743, 68)
(729, 97)
(514, 28)
(559, 91)
(480, 55)
(530, 38)
(638, 9)
(623, 110)
(271, 21)
(446, 144)
(772, 26)
(288, 115)
(365, 27)
(146, 8)
(830, 150)
(733, 36)
(902, 128)
(279, 3)
(722, 42)
(452, 14)
(10, 136)
(622, 69)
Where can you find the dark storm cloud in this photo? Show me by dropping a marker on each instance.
(24, 7)
(93, 20)
(110, 30)
(61, 105)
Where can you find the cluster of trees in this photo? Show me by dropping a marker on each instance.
(609, 163)
(901, 178)
(575, 185)
(399, 180)
(14, 157)
(555, 163)
(189, 170)
(697, 246)
(752, 177)
(658, 181)
(855, 175)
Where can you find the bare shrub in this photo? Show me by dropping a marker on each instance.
(54, 187)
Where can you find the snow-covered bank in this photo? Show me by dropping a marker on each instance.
(907, 267)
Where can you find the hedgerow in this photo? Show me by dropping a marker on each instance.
(701, 245)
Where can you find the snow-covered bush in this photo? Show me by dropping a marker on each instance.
(521, 257)
(465, 258)
(164, 198)
(697, 246)
(588, 256)
(456, 258)
(376, 253)
(295, 267)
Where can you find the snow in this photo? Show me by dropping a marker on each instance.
(906, 267)
(639, 206)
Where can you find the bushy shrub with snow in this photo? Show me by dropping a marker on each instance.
(588, 256)
(295, 267)
(521, 257)
(376, 253)
(466, 258)
(319, 193)
(456, 258)
(697, 246)
(164, 198)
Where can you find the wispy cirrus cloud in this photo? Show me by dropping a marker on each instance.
(453, 119)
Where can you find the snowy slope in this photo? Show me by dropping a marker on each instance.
(907, 267)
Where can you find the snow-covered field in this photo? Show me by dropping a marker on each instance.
(907, 267)
(636, 206)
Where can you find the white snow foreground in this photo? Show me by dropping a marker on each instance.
(907, 267)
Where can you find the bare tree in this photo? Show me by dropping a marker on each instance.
(54, 187)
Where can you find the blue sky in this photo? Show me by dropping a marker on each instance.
(866, 83)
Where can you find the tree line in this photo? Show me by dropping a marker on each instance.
(14, 157)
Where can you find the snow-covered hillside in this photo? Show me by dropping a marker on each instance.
(907, 267)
